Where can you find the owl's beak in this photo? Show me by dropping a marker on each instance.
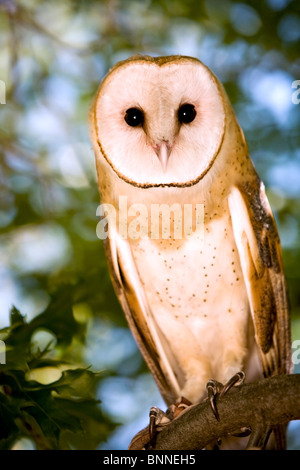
(163, 150)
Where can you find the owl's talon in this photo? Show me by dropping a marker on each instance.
(159, 419)
(243, 432)
(236, 380)
(152, 425)
(215, 388)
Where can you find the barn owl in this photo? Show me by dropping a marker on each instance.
(211, 302)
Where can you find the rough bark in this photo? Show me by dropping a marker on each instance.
(269, 402)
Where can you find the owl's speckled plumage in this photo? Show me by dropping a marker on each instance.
(196, 313)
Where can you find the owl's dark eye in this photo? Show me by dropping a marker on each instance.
(134, 117)
(186, 113)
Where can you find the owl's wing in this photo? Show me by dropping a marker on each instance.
(260, 255)
(152, 342)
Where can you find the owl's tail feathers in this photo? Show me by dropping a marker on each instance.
(280, 437)
(262, 439)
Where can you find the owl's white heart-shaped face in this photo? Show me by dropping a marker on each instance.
(159, 123)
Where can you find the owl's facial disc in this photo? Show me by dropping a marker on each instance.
(186, 114)
(163, 150)
(135, 117)
(160, 125)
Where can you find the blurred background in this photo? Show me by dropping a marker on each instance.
(53, 56)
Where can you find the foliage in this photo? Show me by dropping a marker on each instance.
(42, 397)
(53, 56)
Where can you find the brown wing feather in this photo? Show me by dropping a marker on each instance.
(273, 322)
(261, 259)
(138, 315)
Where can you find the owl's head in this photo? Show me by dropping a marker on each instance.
(159, 121)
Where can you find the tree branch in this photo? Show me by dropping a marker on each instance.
(269, 402)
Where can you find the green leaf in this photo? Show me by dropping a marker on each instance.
(7, 418)
(50, 413)
(16, 318)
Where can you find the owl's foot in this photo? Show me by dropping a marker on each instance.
(215, 388)
(159, 419)
(145, 439)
